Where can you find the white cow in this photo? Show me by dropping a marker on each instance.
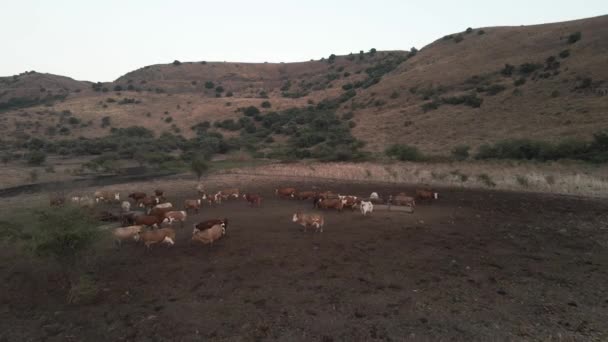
(366, 207)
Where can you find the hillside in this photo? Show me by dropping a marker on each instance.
(454, 91)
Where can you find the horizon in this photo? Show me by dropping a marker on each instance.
(59, 38)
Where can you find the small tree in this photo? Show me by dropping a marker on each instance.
(219, 89)
(574, 37)
(199, 166)
(209, 85)
(372, 51)
(177, 63)
(36, 158)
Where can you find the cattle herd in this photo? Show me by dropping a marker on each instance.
(152, 219)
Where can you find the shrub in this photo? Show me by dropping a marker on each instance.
(33, 175)
(458, 38)
(347, 86)
(574, 37)
(251, 111)
(469, 30)
(522, 180)
(528, 68)
(507, 70)
(117, 88)
(585, 83)
(555, 93)
(564, 54)
(520, 81)
(177, 63)
(404, 152)
(199, 166)
(470, 100)
(331, 59)
(347, 116)
(219, 89)
(105, 122)
(486, 180)
(480, 32)
(73, 121)
(460, 152)
(35, 158)
(229, 94)
(495, 89)
(413, 52)
(394, 95)
(266, 104)
(168, 119)
(372, 51)
(430, 106)
(209, 85)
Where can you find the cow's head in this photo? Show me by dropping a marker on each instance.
(195, 230)
(436, 195)
(296, 217)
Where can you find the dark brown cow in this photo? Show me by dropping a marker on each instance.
(303, 195)
(403, 199)
(285, 192)
(426, 194)
(148, 202)
(159, 211)
(331, 203)
(149, 220)
(210, 223)
(253, 199)
(137, 196)
(159, 193)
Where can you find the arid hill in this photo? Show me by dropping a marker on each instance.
(545, 82)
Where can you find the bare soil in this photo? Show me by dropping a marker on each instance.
(474, 265)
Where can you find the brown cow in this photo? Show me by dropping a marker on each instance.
(303, 195)
(173, 216)
(228, 193)
(306, 220)
(137, 196)
(159, 211)
(285, 192)
(403, 199)
(210, 223)
(159, 193)
(207, 236)
(331, 203)
(147, 202)
(253, 199)
(150, 237)
(350, 201)
(149, 220)
(193, 204)
(426, 194)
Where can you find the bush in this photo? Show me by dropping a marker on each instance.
(507, 70)
(219, 89)
(251, 111)
(229, 94)
(522, 180)
(564, 54)
(430, 106)
(460, 152)
(574, 37)
(470, 100)
(486, 180)
(33, 175)
(117, 88)
(480, 32)
(177, 63)
(495, 89)
(372, 51)
(265, 104)
(347, 86)
(528, 68)
(520, 81)
(209, 85)
(199, 166)
(458, 38)
(35, 158)
(168, 119)
(469, 30)
(394, 95)
(404, 152)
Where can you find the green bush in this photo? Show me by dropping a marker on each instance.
(468, 30)
(404, 152)
(229, 94)
(458, 38)
(574, 37)
(507, 70)
(470, 100)
(486, 180)
(265, 104)
(105, 122)
(520, 81)
(219, 89)
(251, 111)
(209, 85)
(460, 152)
(35, 158)
(564, 54)
(528, 68)
(495, 89)
(177, 63)
(394, 95)
(199, 166)
(480, 32)
(430, 105)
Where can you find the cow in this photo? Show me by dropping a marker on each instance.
(192, 204)
(147, 202)
(210, 223)
(128, 218)
(403, 199)
(331, 203)
(83, 201)
(366, 207)
(137, 196)
(228, 193)
(173, 216)
(164, 205)
(305, 220)
(150, 237)
(200, 189)
(56, 201)
(285, 192)
(125, 206)
(426, 194)
(159, 211)
(106, 196)
(253, 199)
(208, 236)
(153, 221)
(159, 193)
(303, 195)
(125, 233)
(350, 201)
(375, 198)
(107, 216)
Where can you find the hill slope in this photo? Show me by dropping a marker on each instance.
(554, 88)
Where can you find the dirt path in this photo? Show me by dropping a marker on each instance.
(474, 265)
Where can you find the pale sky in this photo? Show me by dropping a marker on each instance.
(102, 40)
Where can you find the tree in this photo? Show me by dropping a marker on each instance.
(177, 63)
(209, 85)
(372, 51)
(199, 166)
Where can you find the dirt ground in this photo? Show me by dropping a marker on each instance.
(474, 265)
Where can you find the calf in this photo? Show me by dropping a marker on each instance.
(150, 237)
(253, 199)
(173, 216)
(210, 223)
(333, 203)
(306, 220)
(192, 204)
(366, 207)
(125, 233)
(106, 196)
(285, 192)
(207, 236)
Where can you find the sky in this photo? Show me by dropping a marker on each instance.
(102, 40)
